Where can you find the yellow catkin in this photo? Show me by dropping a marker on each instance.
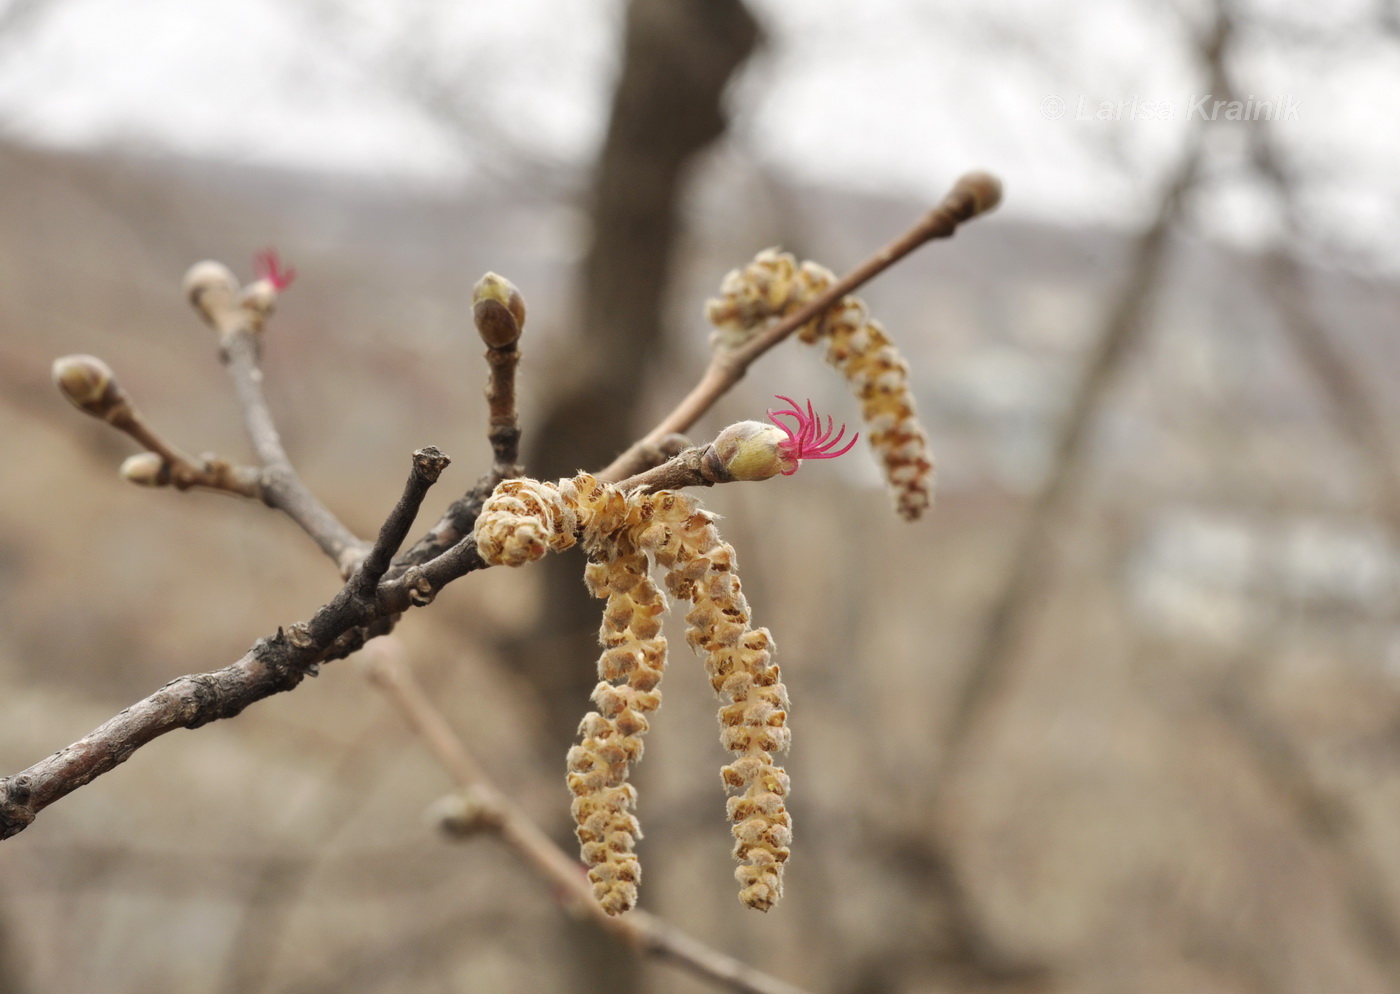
(700, 566)
(630, 668)
(774, 285)
(519, 522)
(523, 519)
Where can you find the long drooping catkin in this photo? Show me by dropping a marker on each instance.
(774, 285)
(739, 661)
(624, 534)
(520, 520)
(630, 668)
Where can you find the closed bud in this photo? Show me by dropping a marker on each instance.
(259, 297)
(89, 384)
(213, 292)
(146, 469)
(465, 814)
(498, 310)
(983, 188)
(749, 451)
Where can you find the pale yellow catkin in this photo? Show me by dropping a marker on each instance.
(624, 534)
(700, 566)
(630, 668)
(519, 522)
(774, 285)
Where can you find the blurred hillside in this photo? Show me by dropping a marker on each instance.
(1189, 784)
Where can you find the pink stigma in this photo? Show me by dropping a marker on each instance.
(268, 267)
(808, 441)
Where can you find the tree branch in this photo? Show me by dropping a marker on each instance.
(274, 664)
(975, 193)
(282, 488)
(92, 387)
(993, 652)
(499, 313)
(428, 464)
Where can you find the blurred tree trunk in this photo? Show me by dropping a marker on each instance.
(678, 57)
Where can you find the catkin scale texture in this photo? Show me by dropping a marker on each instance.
(624, 536)
(774, 285)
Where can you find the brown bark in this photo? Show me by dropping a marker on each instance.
(678, 56)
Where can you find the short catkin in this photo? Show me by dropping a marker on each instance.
(772, 286)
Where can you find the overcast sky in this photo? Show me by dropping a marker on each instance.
(896, 95)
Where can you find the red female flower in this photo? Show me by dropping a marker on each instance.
(752, 450)
(809, 441)
(268, 267)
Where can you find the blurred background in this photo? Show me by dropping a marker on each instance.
(1122, 714)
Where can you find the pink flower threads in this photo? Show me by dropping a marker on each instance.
(809, 441)
(267, 266)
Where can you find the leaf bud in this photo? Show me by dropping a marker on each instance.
(213, 292)
(498, 310)
(89, 384)
(146, 469)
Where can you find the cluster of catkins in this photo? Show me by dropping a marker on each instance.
(773, 286)
(625, 535)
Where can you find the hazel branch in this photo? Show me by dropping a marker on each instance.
(974, 194)
(688, 469)
(283, 489)
(481, 806)
(499, 313)
(239, 316)
(92, 387)
(274, 664)
(428, 464)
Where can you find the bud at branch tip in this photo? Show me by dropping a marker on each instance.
(498, 310)
(88, 383)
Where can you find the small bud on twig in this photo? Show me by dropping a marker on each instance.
(498, 310)
(465, 814)
(89, 384)
(146, 469)
(213, 292)
(983, 188)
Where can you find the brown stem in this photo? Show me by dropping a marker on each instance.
(176, 468)
(495, 811)
(282, 488)
(274, 664)
(973, 194)
(688, 469)
(428, 464)
(504, 431)
(182, 471)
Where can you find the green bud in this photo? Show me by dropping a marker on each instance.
(498, 310)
